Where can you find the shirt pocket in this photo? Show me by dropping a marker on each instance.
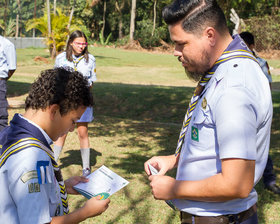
(202, 133)
(55, 202)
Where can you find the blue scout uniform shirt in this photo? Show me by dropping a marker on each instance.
(8, 57)
(23, 199)
(88, 69)
(232, 119)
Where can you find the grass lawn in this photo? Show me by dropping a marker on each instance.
(141, 100)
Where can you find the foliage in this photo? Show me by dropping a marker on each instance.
(143, 33)
(102, 41)
(59, 29)
(117, 21)
(266, 31)
(10, 29)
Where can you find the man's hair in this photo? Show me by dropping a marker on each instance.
(65, 87)
(247, 37)
(196, 15)
(69, 48)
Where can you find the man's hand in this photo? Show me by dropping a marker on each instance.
(72, 181)
(161, 163)
(163, 187)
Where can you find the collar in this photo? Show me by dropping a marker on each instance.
(48, 139)
(19, 128)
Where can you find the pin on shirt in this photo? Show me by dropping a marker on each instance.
(204, 103)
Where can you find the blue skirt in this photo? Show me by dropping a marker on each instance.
(87, 115)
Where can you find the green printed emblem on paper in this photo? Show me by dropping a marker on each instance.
(195, 135)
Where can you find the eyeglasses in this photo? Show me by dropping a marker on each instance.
(80, 44)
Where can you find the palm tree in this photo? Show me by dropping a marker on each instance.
(59, 31)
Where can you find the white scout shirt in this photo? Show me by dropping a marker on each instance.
(26, 201)
(88, 69)
(8, 58)
(232, 120)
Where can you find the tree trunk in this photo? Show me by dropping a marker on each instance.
(132, 20)
(34, 15)
(54, 7)
(5, 14)
(70, 19)
(104, 19)
(155, 16)
(49, 18)
(50, 36)
(120, 22)
(17, 18)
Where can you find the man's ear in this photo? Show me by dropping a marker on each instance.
(54, 111)
(210, 34)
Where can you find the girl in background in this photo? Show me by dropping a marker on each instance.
(77, 57)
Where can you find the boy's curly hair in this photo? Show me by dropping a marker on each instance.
(65, 87)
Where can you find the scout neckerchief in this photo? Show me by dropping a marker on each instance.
(21, 135)
(236, 49)
(76, 61)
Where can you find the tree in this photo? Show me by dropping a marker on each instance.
(104, 19)
(155, 16)
(59, 30)
(17, 18)
(132, 20)
(119, 8)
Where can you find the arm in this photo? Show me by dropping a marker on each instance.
(235, 181)
(11, 57)
(10, 73)
(93, 76)
(92, 207)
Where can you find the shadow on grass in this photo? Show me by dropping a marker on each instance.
(17, 88)
(74, 158)
(140, 102)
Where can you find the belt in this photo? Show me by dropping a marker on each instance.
(3, 78)
(187, 218)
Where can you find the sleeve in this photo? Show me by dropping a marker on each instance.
(11, 56)
(56, 63)
(32, 199)
(266, 71)
(236, 124)
(93, 77)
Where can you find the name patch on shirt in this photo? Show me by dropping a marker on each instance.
(195, 134)
(29, 175)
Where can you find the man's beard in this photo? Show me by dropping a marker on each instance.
(201, 69)
(195, 76)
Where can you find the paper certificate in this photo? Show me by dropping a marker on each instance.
(102, 181)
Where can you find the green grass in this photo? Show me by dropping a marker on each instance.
(140, 103)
